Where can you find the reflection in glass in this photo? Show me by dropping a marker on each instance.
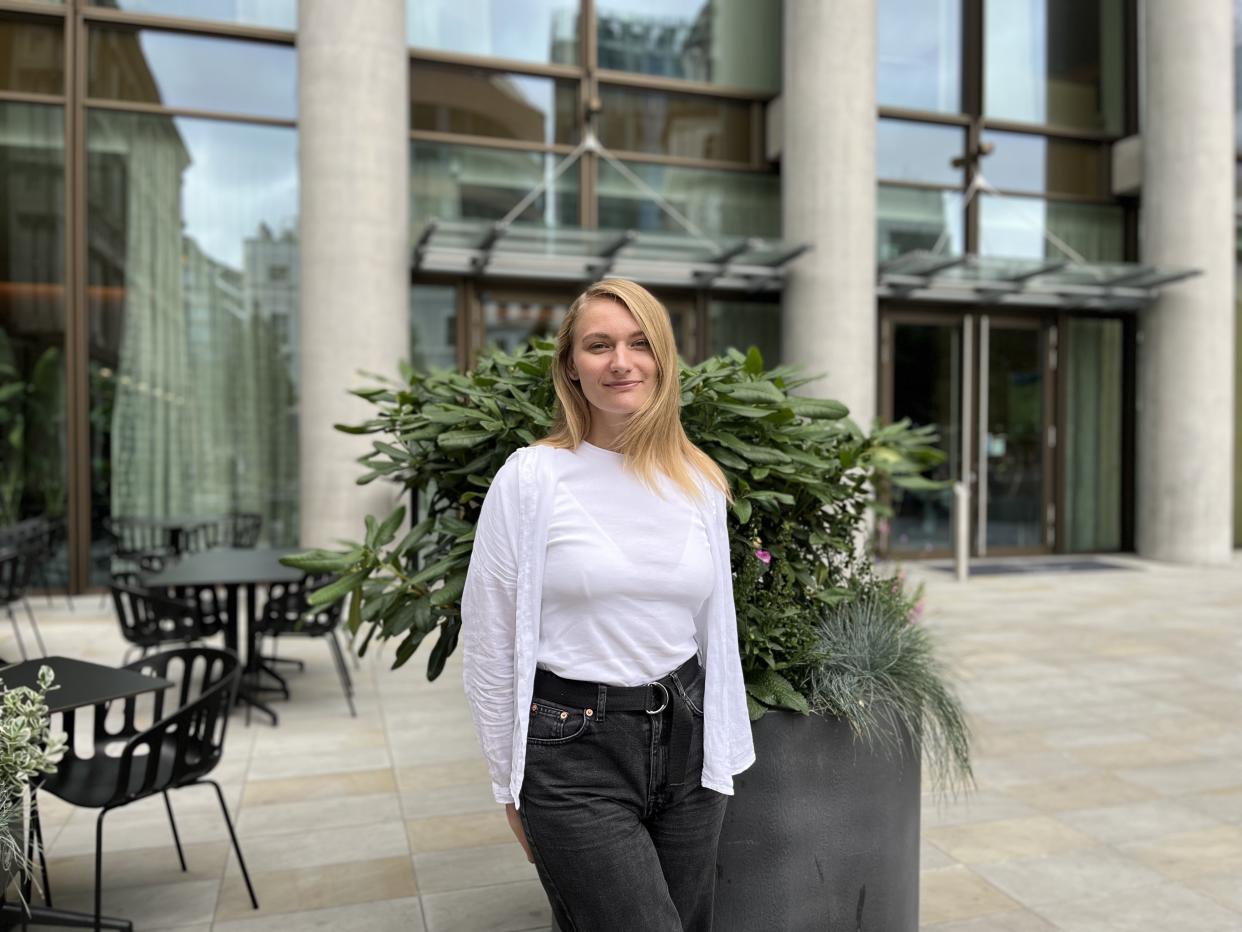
(32, 320)
(734, 43)
(433, 327)
(1093, 457)
(512, 318)
(907, 151)
(919, 54)
(148, 66)
(927, 382)
(544, 31)
(32, 56)
(1056, 62)
(1015, 448)
(475, 102)
(451, 182)
(274, 14)
(908, 219)
(720, 203)
(193, 270)
(743, 324)
(1015, 227)
(1038, 164)
(688, 125)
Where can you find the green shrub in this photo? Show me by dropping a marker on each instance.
(803, 477)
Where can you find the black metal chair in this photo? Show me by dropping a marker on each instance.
(15, 570)
(181, 746)
(287, 613)
(151, 619)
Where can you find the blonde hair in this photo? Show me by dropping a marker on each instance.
(653, 442)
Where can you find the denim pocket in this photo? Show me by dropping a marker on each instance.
(555, 724)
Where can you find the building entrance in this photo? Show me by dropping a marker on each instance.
(988, 382)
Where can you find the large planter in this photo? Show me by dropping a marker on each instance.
(822, 834)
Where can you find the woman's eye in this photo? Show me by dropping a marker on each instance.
(641, 344)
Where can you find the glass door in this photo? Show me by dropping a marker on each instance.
(985, 383)
(1013, 512)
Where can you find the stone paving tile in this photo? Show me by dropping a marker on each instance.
(1156, 907)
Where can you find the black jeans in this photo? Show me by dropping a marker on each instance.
(618, 847)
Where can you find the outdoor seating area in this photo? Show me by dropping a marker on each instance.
(193, 600)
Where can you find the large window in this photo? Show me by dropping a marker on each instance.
(544, 31)
(919, 54)
(1057, 62)
(735, 43)
(274, 14)
(32, 56)
(1032, 228)
(33, 473)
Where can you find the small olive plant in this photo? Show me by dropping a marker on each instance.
(803, 477)
(27, 749)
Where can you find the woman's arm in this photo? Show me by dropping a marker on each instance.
(489, 623)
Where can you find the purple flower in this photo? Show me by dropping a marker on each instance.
(764, 557)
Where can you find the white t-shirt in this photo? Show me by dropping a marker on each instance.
(625, 573)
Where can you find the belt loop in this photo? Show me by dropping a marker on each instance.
(601, 702)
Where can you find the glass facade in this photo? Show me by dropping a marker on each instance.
(192, 243)
(1093, 438)
(451, 182)
(1058, 62)
(919, 54)
(908, 219)
(476, 102)
(1034, 228)
(542, 31)
(720, 203)
(273, 14)
(1043, 164)
(153, 67)
(32, 57)
(734, 43)
(33, 464)
(684, 125)
(920, 152)
(741, 324)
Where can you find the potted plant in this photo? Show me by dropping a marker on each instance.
(27, 749)
(803, 478)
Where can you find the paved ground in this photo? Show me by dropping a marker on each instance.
(1108, 713)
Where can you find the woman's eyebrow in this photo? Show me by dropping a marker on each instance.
(606, 336)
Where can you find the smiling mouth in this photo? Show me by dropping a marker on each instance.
(620, 384)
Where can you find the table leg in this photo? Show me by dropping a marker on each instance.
(232, 640)
(250, 680)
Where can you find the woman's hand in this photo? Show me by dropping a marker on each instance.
(515, 823)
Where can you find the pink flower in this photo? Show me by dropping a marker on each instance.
(917, 612)
(764, 557)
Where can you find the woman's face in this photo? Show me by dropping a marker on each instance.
(612, 360)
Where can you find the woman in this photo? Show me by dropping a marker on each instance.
(599, 637)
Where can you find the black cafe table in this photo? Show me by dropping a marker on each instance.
(233, 569)
(77, 683)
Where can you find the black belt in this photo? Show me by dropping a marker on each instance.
(666, 693)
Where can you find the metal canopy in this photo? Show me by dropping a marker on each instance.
(530, 251)
(1033, 283)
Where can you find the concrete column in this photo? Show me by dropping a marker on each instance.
(828, 192)
(353, 124)
(1185, 353)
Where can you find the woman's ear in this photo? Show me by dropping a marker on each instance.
(571, 370)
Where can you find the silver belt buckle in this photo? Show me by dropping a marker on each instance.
(664, 704)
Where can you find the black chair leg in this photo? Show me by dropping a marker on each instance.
(343, 672)
(17, 633)
(99, 870)
(173, 824)
(34, 624)
(241, 862)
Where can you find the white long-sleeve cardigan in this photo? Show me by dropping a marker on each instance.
(500, 610)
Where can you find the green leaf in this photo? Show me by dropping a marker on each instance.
(319, 561)
(772, 689)
(741, 508)
(754, 361)
(818, 408)
(444, 646)
(335, 591)
(463, 439)
(355, 611)
(754, 708)
(451, 591)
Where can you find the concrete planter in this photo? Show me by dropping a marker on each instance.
(822, 834)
